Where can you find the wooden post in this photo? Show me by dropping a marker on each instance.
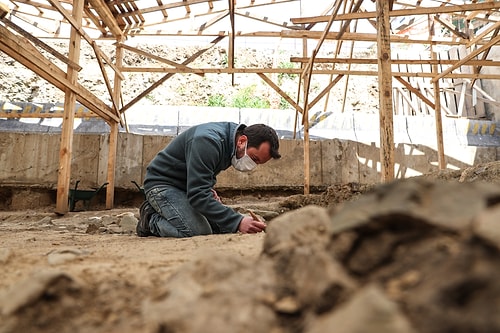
(66, 148)
(385, 91)
(305, 123)
(113, 135)
(113, 143)
(437, 107)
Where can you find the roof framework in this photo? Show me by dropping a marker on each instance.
(468, 26)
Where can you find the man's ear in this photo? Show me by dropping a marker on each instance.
(242, 140)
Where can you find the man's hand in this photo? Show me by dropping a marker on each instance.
(216, 196)
(250, 226)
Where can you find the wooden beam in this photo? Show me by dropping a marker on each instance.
(299, 71)
(451, 28)
(113, 135)
(470, 56)
(266, 19)
(4, 10)
(154, 57)
(168, 76)
(385, 92)
(82, 33)
(414, 90)
(402, 12)
(281, 92)
(231, 51)
(43, 45)
(330, 85)
(106, 16)
(366, 61)
(171, 5)
(23, 52)
(212, 21)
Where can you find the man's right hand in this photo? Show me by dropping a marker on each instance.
(250, 226)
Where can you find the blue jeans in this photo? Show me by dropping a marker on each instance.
(174, 216)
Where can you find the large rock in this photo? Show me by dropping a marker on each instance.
(411, 256)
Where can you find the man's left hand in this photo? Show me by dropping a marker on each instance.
(250, 226)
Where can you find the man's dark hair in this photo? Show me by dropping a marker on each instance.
(259, 133)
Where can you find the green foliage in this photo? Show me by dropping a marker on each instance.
(224, 60)
(245, 98)
(217, 100)
(290, 76)
(284, 105)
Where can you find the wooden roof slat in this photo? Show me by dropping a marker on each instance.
(106, 16)
(41, 44)
(22, 51)
(402, 12)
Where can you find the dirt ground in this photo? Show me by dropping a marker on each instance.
(418, 255)
(100, 249)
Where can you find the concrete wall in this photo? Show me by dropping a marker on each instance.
(32, 159)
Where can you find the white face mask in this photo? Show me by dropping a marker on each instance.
(243, 164)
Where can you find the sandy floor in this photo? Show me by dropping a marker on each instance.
(114, 262)
(30, 243)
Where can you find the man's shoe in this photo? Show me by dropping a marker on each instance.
(145, 212)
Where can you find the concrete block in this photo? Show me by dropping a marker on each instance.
(129, 160)
(368, 156)
(339, 162)
(85, 160)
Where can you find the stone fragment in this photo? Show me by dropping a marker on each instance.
(28, 291)
(449, 205)
(369, 310)
(128, 222)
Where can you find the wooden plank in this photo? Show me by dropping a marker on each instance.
(402, 12)
(168, 76)
(23, 51)
(113, 143)
(470, 56)
(43, 45)
(77, 26)
(265, 19)
(113, 136)
(438, 117)
(281, 92)
(306, 76)
(105, 15)
(152, 56)
(385, 92)
(366, 61)
(297, 71)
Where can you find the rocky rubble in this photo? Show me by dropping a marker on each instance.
(412, 256)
